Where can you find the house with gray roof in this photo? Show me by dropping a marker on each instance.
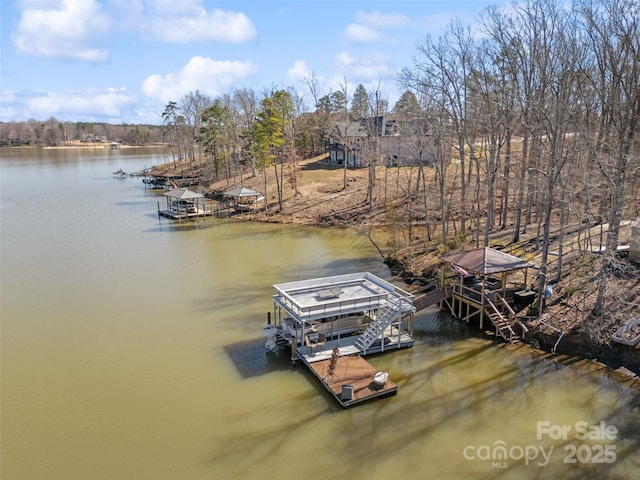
(382, 139)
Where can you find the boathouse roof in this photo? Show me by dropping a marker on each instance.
(242, 192)
(338, 295)
(485, 261)
(183, 194)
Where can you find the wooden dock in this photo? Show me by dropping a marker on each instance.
(350, 379)
(173, 215)
(350, 370)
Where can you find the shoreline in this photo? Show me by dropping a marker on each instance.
(617, 357)
(620, 361)
(78, 145)
(322, 203)
(576, 341)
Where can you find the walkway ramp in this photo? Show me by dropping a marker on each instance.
(433, 297)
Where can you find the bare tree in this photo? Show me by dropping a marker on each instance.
(442, 70)
(192, 105)
(612, 28)
(246, 105)
(519, 41)
(319, 129)
(343, 110)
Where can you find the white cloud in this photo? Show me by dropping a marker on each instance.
(362, 34)
(67, 29)
(211, 77)
(369, 68)
(93, 104)
(367, 27)
(187, 21)
(299, 71)
(8, 106)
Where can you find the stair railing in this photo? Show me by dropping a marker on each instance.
(513, 318)
(373, 331)
(507, 323)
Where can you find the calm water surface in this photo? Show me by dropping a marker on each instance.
(132, 349)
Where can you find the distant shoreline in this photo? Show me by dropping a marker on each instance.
(96, 145)
(104, 145)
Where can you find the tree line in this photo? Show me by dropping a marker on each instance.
(562, 82)
(53, 132)
(249, 132)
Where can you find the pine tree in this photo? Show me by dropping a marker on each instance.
(360, 103)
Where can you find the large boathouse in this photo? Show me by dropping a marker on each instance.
(330, 323)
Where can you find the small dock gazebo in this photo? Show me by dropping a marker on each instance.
(493, 284)
(244, 199)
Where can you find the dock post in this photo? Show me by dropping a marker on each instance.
(268, 318)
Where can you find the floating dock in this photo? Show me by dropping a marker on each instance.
(345, 374)
(351, 379)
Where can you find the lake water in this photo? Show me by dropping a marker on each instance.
(132, 349)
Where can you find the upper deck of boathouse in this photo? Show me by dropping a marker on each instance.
(314, 299)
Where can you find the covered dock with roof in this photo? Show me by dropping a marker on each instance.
(308, 306)
(183, 203)
(331, 322)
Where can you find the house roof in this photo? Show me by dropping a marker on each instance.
(182, 194)
(349, 129)
(242, 192)
(485, 261)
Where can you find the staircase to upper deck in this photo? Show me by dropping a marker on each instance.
(378, 326)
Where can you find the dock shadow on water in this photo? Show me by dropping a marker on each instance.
(252, 359)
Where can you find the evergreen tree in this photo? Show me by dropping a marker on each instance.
(272, 132)
(407, 105)
(360, 103)
(215, 120)
(338, 102)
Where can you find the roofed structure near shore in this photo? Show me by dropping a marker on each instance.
(483, 289)
(486, 261)
(244, 199)
(331, 322)
(183, 203)
(183, 194)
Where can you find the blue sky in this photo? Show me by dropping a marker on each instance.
(124, 60)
